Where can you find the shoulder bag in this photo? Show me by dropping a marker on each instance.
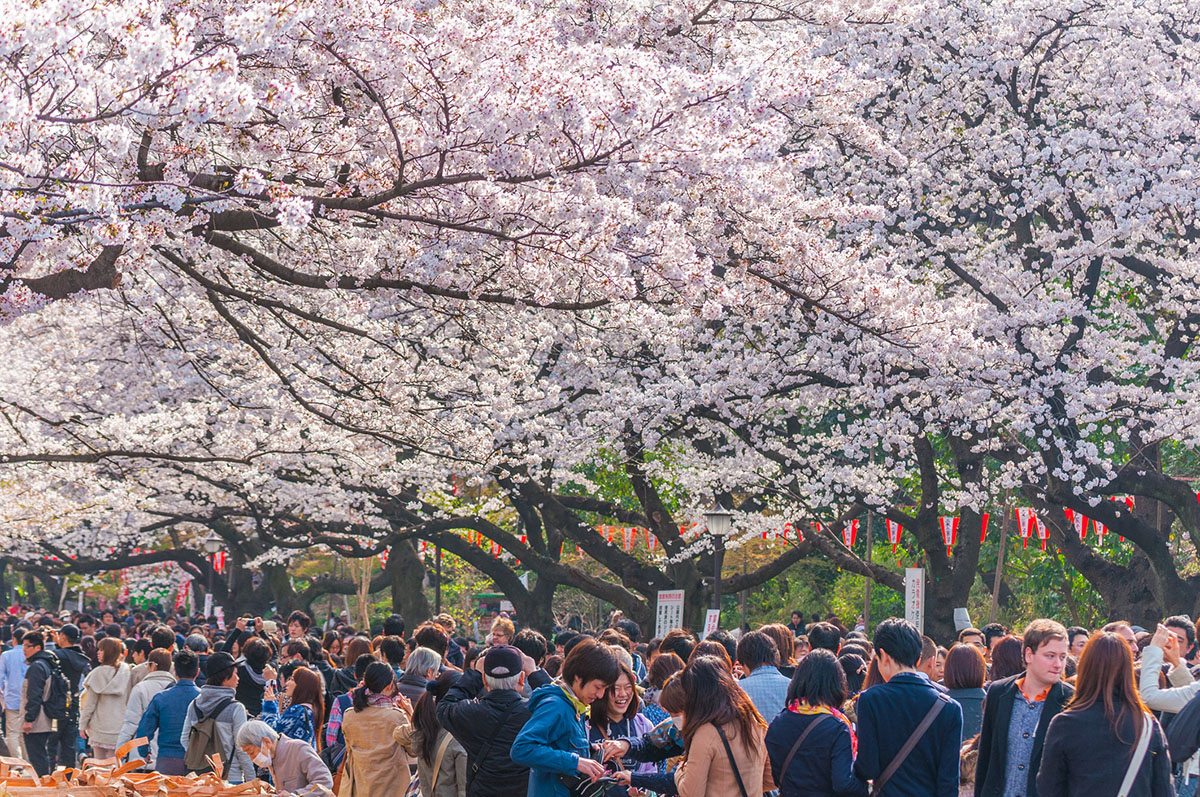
(909, 744)
(437, 759)
(1139, 755)
(799, 743)
(729, 752)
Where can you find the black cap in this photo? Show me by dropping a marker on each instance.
(502, 661)
(71, 632)
(221, 661)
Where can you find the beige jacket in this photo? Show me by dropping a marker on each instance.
(376, 764)
(706, 772)
(102, 702)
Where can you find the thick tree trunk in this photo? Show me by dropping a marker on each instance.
(406, 572)
(279, 582)
(535, 609)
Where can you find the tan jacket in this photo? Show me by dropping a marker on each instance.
(706, 772)
(376, 764)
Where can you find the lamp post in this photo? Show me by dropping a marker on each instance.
(212, 545)
(719, 521)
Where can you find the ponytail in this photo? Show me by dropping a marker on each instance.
(378, 677)
(359, 698)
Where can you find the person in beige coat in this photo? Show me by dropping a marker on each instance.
(103, 698)
(376, 764)
(714, 705)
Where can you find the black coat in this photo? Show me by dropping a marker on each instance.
(1084, 758)
(993, 735)
(74, 666)
(472, 719)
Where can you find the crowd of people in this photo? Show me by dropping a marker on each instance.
(802, 708)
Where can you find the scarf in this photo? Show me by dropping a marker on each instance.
(802, 707)
(581, 708)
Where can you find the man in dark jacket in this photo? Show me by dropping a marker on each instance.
(1018, 710)
(37, 727)
(486, 726)
(892, 712)
(75, 664)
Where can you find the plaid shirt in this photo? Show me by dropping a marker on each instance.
(767, 689)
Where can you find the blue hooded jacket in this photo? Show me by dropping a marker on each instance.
(552, 741)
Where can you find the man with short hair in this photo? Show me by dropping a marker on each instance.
(825, 636)
(532, 644)
(391, 648)
(891, 714)
(218, 699)
(992, 633)
(1077, 639)
(297, 624)
(198, 644)
(36, 725)
(75, 664)
(12, 678)
(972, 636)
(1017, 712)
(158, 679)
(927, 664)
(1185, 632)
(1125, 631)
(165, 715)
(393, 625)
(497, 715)
(763, 683)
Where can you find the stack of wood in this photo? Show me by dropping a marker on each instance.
(108, 777)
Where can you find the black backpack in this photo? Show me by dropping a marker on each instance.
(58, 701)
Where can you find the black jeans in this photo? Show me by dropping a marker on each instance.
(66, 750)
(36, 751)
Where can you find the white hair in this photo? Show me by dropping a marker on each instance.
(623, 655)
(253, 732)
(422, 660)
(508, 682)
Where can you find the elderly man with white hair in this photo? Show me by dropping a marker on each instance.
(295, 767)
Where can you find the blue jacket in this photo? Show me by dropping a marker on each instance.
(166, 715)
(552, 741)
(887, 716)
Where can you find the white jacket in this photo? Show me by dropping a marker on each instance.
(1171, 700)
(139, 698)
(102, 702)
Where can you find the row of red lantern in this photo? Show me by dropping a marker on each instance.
(1028, 524)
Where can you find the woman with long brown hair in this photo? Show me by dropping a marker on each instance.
(441, 760)
(305, 713)
(725, 755)
(1106, 742)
